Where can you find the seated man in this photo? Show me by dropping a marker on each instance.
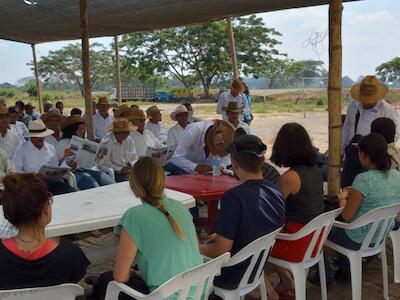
(142, 137)
(118, 149)
(9, 140)
(102, 119)
(247, 212)
(35, 153)
(16, 126)
(233, 111)
(52, 120)
(60, 107)
(47, 106)
(202, 143)
(191, 118)
(29, 110)
(387, 128)
(175, 134)
(159, 130)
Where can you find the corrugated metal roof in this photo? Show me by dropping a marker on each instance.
(57, 20)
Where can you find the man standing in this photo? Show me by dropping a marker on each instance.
(102, 119)
(181, 116)
(233, 112)
(233, 95)
(9, 140)
(154, 125)
(368, 105)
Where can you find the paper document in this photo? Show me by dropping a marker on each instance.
(161, 154)
(85, 152)
(53, 173)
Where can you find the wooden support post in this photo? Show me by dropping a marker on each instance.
(117, 71)
(85, 67)
(232, 47)
(334, 96)
(39, 89)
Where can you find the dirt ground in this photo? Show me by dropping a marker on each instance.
(266, 126)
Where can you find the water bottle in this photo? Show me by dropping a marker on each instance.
(216, 167)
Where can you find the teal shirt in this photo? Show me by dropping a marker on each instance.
(161, 254)
(379, 189)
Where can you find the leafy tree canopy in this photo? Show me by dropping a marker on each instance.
(390, 71)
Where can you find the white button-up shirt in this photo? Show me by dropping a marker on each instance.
(175, 135)
(190, 151)
(159, 130)
(142, 141)
(101, 124)
(20, 129)
(51, 140)
(61, 146)
(381, 110)
(227, 97)
(10, 142)
(30, 159)
(243, 125)
(117, 155)
(6, 166)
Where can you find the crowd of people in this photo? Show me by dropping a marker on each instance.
(264, 201)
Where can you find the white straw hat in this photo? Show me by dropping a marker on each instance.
(38, 129)
(180, 109)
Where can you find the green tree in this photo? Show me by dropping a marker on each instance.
(283, 73)
(199, 53)
(389, 71)
(65, 65)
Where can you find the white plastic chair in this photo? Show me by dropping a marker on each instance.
(395, 237)
(202, 276)
(71, 180)
(319, 227)
(257, 251)
(110, 172)
(384, 216)
(66, 291)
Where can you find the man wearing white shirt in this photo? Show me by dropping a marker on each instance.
(16, 126)
(118, 149)
(102, 119)
(233, 112)
(52, 120)
(233, 95)
(142, 137)
(159, 130)
(202, 143)
(368, 105)
(175, 134)
(9, 140)
(35, 153)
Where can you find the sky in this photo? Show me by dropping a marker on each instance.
(370, 32)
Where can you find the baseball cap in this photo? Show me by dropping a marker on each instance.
(248, 144)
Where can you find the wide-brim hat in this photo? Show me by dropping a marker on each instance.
(180, 109)
(103, 100)
(52, 115)
(122, 111)
(68, 121)
(4, 110)
(121, 125)
(152, 110)
(38, 129)
(369, 91)
(237, 84)
(136, 114)
(233, 106)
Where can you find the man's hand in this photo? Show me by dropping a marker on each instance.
(203, 169)
(68, 152)
(211, 239)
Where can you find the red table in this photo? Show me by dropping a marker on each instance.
(205, 188)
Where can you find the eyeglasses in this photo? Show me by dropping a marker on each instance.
(50, 195)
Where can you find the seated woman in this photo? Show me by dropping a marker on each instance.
(378, 186)
(75, 126)
(35, 153)
(202, 143)
(159, 235)
(30, 259)
(302, 187)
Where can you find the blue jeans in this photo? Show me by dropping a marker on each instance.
(87, 179)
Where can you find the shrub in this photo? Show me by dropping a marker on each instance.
(7, 93)
(31, 89)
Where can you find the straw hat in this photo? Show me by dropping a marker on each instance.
(4, 110)
(180, 109)
(233, 106)
(152, 110)
(221, 135)
(103, 101)
(122, 111)
(73, 119)
(121, 125)
(38, 129)
(136, 114)
(52, 114)
(369, 91)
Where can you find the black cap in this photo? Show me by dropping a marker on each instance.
(248, 144)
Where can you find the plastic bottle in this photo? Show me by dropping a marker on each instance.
(216, 167)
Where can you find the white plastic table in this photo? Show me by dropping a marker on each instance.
(96, 208)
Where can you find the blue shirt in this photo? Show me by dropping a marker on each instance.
(247, 212)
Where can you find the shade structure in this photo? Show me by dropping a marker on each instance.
(39, 21)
